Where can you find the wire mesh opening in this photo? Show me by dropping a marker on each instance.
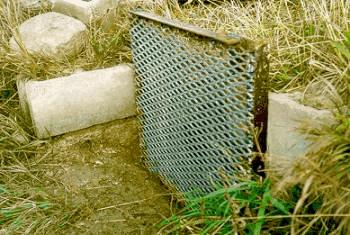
(199, 98)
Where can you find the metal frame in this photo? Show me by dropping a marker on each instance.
(200, 95)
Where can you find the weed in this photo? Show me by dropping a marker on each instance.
(245, 208)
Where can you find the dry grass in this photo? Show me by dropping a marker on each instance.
(299, 33)
(301, 36)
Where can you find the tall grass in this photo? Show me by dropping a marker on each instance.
(324, 176)
(245, 208)
(325, 170)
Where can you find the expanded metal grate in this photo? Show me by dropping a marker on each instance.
(200, 94)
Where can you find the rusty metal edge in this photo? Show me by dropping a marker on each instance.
(221, 37)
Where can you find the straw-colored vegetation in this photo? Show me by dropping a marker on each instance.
(309, 47)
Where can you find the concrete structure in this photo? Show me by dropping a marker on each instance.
(78, 101)
(84, 10)
(50, 34)
(285, 140)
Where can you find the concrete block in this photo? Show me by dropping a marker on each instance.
(285, 140)
(51, 34)
(84, 10)
(78, 101)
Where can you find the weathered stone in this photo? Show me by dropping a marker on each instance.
(285, 140)
(84, 10)
(81, 100)
(33, 4)
(50, 34)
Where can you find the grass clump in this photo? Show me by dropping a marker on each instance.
(245, 208)
(25, 202)
(324, 175)
(324, 172)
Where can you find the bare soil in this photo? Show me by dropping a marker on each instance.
(100, 171)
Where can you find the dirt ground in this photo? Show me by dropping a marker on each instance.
(100, 171)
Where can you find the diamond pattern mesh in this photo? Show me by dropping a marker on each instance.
(196, 104)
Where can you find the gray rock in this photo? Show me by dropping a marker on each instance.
(50, 34)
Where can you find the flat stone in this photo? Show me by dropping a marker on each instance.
(84, 10)
(50, 34)
(80, 100)
(285, 140)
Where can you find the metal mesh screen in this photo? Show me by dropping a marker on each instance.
(197, 103)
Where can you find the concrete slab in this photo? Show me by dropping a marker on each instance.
(78, 101)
